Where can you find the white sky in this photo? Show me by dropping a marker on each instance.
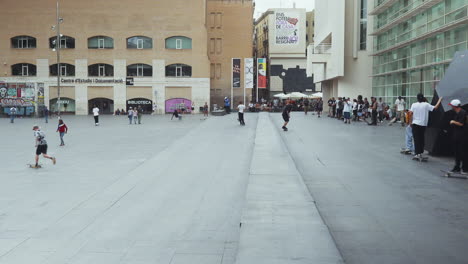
(263, 5)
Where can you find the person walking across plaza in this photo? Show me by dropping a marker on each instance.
(306, 103)
(13, 113)
(135, 115)
(96, 115)
(287, 114)
(459, 124)
(62, 129)
(373, 109)
(41, 146)
(205, 110)
(420, 111)
(347, 107)
(140, 114)
(130, 115)
(227, 105)
(241, 108)
(46, 113)
(319, 106)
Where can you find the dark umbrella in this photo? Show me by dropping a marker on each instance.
(454, 85)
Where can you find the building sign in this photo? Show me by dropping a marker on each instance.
(130, 81)
(249, 73)
(287, 28)
(261, 73)
(236, 73)
(92, 81)
(139, 102)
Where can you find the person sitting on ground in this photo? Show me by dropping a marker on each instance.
(251, 107)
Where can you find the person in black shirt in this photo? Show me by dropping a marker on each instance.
(287, 114)
(459, 137)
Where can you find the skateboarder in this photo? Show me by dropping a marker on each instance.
(459, 138)
(241, 108)
(41, 146)
(96, 115)
(420, 111)
(287, 114)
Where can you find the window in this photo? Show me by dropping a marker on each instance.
(178, 42)
(100, 42)
(66, 42)
(23, 69)
(140, 70)
(178, 70)
(65, 69)
(363, 26)
(219, 46)
(139, 42)
(23, 42)
(100, 70)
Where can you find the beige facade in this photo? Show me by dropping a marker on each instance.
(230, 34)
(310, 27)
(164, 33)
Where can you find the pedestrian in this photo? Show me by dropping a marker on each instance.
(373, 109)
(135, 115)
(13, 113)
(46, 114)
(380, 110)
(154, 109)
(339, 108)
(306, 103)
(319, 107)
(227, 105)
(193, 108)
(355, 110)
(366, 109)
(205, 110)
(347, 106)
(420, 111)
(96, 115)
(62, 129)
(41, 146)
(241, 108)
(330, 103)
(287, 114)
(409, 146)
(130, 115)
(176, 115)
(400, 105)
(140, 114)
(459, 124)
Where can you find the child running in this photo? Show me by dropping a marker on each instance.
(41, 146)
(62, 129)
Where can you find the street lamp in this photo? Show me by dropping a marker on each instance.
(58, 45)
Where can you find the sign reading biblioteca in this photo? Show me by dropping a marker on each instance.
(92, 80)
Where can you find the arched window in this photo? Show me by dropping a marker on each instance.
(178, 42)
(100, 70)
(23, 69)
(65, 69)
(23, 42)
(178, 70)
(100, 42)
(139, 42)
(66, 42)
(140, 70)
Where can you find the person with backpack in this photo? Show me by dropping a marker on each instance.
(62, 129)
(13, 112)
(41, 146)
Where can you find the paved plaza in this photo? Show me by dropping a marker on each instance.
(212, 192)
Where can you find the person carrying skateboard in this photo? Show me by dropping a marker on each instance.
(420, 111)
(459, 138)
(287, 114)
(41, 146)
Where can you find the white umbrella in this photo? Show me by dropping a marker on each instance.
(296, 95)
(318, 95)
(280, 95)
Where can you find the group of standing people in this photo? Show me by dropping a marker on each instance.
(135, 115)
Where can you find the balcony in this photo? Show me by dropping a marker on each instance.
(405, 14)
(380, 8)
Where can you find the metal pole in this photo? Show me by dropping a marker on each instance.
(58, 46)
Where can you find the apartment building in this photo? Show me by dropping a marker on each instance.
(131, 54)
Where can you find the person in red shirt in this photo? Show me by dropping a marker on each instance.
(62, 129)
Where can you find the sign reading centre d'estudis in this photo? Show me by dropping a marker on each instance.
(92, 80)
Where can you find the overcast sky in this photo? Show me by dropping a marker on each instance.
(263, 5)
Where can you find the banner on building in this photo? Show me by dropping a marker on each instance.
(287, 27)
(236, 73)
(261, 73)
(249, 73)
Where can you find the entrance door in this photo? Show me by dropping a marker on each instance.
(106, 106)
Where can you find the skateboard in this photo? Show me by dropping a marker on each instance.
(405, 151)
(33, 166)
(285, 129)
(423, 159)
(457, 175)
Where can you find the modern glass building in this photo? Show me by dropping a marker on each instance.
(414, 42)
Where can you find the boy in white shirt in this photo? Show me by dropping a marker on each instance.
(241, 108)
(96, 115)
